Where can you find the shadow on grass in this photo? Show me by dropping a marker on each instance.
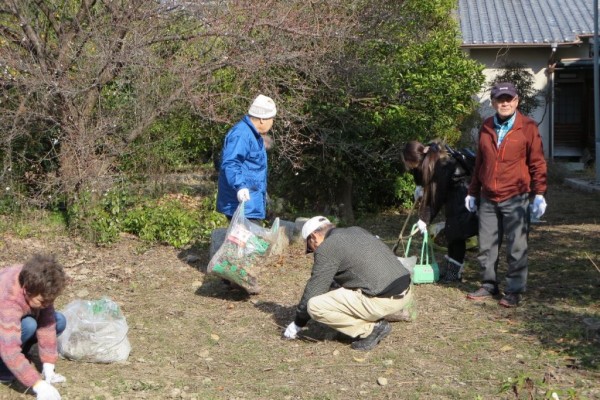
(565, 334)
(314, 331)
(196, 256)
(563, 289)
(217, 288)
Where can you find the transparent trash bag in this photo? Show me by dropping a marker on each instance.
(411, 309)
(407, 314)
(96, 332)
(244, 251)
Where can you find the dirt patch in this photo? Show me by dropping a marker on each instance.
(194, 338)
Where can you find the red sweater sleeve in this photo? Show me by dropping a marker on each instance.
(46, 336)
(12, 308)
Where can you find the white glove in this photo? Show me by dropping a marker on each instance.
(50, 376)
(422, 226)
(243, 195)
(45, 391)
(470, 203)
(539, 206)
(291, 332)
(418, 192)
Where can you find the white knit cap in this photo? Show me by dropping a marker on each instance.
(262, 107)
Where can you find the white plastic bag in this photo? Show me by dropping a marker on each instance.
(96, 332)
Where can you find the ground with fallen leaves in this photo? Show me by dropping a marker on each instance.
(193, 337)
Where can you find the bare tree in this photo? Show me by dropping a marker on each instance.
(81, 80)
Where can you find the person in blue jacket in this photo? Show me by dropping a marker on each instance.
(243, 170)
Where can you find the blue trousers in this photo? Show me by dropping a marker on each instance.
(28, 338)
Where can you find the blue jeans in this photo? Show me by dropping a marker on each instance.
(28, 338)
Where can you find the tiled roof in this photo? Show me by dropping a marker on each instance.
(496, 23)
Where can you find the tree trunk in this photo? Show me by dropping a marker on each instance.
(344, 200)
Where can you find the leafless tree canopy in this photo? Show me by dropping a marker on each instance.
(81, 80)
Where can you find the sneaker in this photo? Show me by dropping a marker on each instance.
(381, 330)
(482, 293)
(510, 300)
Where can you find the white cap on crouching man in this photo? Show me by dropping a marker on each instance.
(262, 107)
(312, 225)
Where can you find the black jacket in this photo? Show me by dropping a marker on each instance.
(451, 183)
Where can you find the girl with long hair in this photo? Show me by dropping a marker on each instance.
(442, 181)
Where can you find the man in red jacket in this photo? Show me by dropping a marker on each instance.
(510, 169)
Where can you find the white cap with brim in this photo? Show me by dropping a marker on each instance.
(262, 107)
(312, 225)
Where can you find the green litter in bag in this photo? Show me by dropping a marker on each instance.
(244, 252)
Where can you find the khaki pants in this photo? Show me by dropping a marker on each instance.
(353, 313)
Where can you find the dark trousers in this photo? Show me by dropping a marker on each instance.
(457, 250)
(496, 220)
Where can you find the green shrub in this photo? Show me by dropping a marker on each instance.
(103, 229)
(99, 219)
(175, 220)
(209, 218)
(167, 222)
(405, 189)
(172, 143)
(9, 204)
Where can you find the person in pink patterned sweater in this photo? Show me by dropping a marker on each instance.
(27, 316)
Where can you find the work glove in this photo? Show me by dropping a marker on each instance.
(45, 391)
(422, 226)
(243, 195)
(291, 332)
(539, 206)
(418, 192)
(50, 376)
(470, 203)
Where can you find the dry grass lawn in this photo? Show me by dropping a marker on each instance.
(193, 338)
